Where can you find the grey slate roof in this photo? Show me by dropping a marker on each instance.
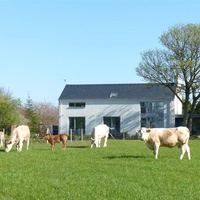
(119, 91)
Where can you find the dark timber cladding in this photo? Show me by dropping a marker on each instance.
(119, 91)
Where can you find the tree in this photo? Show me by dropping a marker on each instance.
(180, 59)
(197, 109)
(9, 113)
(48, 113)
(31, 115)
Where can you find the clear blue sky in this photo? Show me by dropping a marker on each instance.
(45, 44)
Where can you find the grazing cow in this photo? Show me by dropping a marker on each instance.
(168, 137)
(52, 139)
(1, 138)
(19, 134)
(100, 131)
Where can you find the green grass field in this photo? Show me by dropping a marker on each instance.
(123, 170)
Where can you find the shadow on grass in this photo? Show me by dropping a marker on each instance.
(125, 156)
(78, 147)
(60, 148)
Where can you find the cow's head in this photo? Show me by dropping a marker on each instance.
(93, 142)
(144, 133)
(8, 146)
(46, 136)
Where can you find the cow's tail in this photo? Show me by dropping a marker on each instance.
(111, 133)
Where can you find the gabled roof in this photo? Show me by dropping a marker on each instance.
(117, 91)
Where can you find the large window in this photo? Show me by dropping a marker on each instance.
(152, 114)
(114, 124)
(77, 124)
(77, 104)
(149, 107)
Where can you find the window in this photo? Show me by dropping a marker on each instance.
(152, 114)
(113, 94)
(142, 107)
(77, 124)
(148, 107)
(77, 104)
(114, 124)
(143, 122)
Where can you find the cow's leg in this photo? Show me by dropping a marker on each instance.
(52, 146)
(98, 142)
(19, 146)
(156, 149)
(27, 145)
(64, 145)
(105, 142)
(2, 142)
(183, 150)
(92, 144)
(188, 151)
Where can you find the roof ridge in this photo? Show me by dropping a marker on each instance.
(113, 84)
(125, 91)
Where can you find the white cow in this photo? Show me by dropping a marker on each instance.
(168, 137)
(1, 138)
(100, 131)
(19, 134)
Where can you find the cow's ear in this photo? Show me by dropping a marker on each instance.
(148, 130)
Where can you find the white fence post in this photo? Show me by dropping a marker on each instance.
(81, 135)
(123, 135)
(71, 135)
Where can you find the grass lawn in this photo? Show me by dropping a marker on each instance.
(123, 170)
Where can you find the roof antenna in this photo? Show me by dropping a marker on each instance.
(65, 81)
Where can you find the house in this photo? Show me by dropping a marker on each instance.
(123, 107)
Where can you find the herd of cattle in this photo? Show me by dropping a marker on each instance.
(153, 137)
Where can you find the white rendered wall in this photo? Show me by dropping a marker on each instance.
(95, 110)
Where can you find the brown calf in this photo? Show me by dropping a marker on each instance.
(52, 139)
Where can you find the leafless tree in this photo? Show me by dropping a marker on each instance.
(48, 113)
